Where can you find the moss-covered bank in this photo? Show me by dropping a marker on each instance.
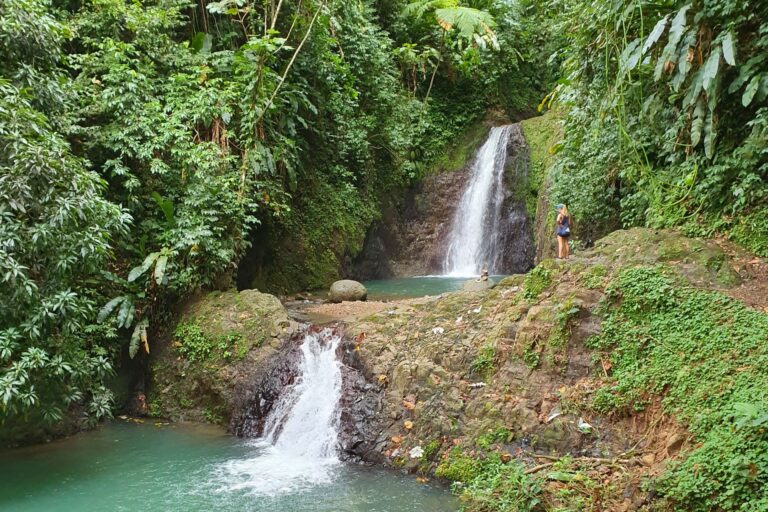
(219, 345)
(542, 134)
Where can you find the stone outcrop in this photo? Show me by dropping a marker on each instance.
(500, 366)
(222, 343)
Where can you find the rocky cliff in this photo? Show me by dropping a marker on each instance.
(455, 381)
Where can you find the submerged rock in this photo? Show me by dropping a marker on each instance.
(347, 290)
(478, 285)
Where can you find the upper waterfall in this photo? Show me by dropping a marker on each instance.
(476, 231)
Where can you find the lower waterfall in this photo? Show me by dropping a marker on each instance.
(299, 446)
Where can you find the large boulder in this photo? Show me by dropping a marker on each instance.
(222, 344)
(347, 290)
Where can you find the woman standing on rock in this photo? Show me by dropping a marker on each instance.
(563, 231)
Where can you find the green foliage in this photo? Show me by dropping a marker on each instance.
(594, 276)
(667, 115)
(431, 450)
(193, 343)
(705, 354)
(500, 435)
(458, 467)
(500, 486)
(536, 281)
(485, 362)
(196, 346)
(56, 234)
(214, 414)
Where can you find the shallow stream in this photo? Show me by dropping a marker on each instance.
(408, 287)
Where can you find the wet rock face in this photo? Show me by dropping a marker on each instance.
(515, 243)
(255, 399)
(410, 238)
(361, 404)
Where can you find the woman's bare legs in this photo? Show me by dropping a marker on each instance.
(560, 249)
(567, 248)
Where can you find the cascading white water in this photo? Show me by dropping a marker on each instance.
(472, 242)
(299, 446)
(305, 420)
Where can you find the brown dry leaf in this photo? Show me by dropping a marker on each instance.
(409, 405)
(408, 424)
(397, 439)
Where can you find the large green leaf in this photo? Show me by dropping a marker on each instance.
(126, 313)
(146, 264)
(750, 91)
(138, 338)
(710, 68)
(676, 31)
(729, 52)
(466, 20)
(109, 307)
(162, 261)
(655, 33)
(697, 125)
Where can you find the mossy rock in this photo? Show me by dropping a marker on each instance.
(701, 262)
(254, 316)
(221, 344)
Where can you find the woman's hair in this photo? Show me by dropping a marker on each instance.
(564, 210)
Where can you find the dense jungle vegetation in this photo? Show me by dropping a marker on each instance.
(146, 148)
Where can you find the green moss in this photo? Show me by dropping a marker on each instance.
(542, 134)
(594, 276)
(431, 449)
(485, 362)
(557, 344)
(458, 467)
(461, 149)
(751, 231)
(536, 282)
